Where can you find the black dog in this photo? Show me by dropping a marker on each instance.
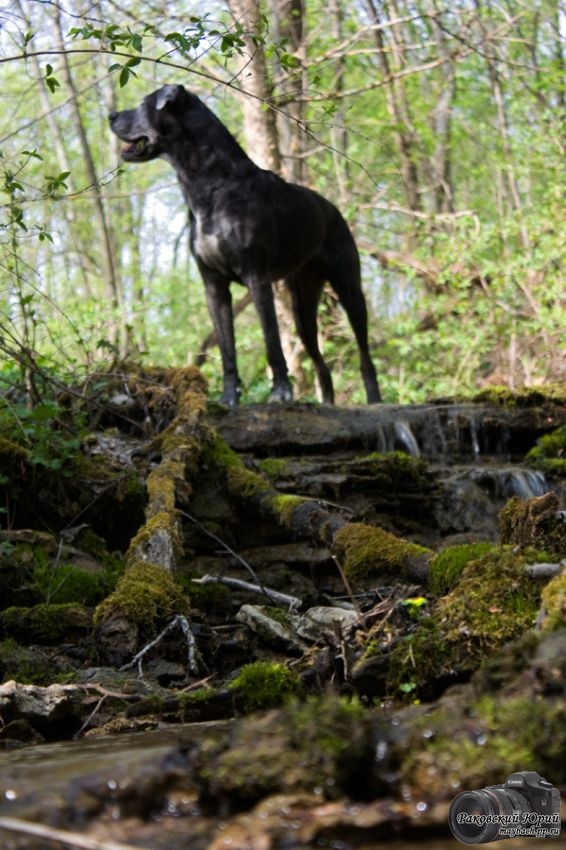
(250, 226)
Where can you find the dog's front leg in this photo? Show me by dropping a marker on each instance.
(219, 300)
(262, 296)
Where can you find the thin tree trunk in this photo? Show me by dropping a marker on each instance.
(260, 131)
(398, 108)
(339, 130)
(105, 234)
(442, 127)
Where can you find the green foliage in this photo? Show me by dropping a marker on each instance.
(47, 433)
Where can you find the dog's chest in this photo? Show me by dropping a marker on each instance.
(207, 247)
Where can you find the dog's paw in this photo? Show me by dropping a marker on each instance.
(231, 396)
(281, 392)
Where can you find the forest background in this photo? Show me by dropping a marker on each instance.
(437, 127)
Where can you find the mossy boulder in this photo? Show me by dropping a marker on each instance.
(371, 553)
(494, 601)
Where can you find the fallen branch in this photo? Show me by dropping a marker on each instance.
(70, 839)
(292, 602)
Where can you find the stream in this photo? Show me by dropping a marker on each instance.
(65, 784)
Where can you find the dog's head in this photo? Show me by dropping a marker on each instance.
(149, 128)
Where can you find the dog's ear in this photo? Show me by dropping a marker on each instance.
(168, 94)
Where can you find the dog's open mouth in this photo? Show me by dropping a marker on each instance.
(135, 149)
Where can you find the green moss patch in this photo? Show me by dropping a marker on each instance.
(446, 568)
(45, 623)
(146, 595)
(265, 684)
(397, 468)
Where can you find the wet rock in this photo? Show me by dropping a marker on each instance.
(273, 626)
(439, 431)
(322, 618)
(53, 711)
(117, 639)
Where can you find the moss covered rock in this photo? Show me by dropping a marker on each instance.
(535, 523)
(493, 602)
(368, 552)
(265, 684)
(322, 745)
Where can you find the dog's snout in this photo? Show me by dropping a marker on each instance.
(112, 116)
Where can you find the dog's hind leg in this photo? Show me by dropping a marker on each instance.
(306, 288)
(353, 301)
(343, 267)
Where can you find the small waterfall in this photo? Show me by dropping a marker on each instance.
(475, 437)
(524, 483)
(406, 437)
